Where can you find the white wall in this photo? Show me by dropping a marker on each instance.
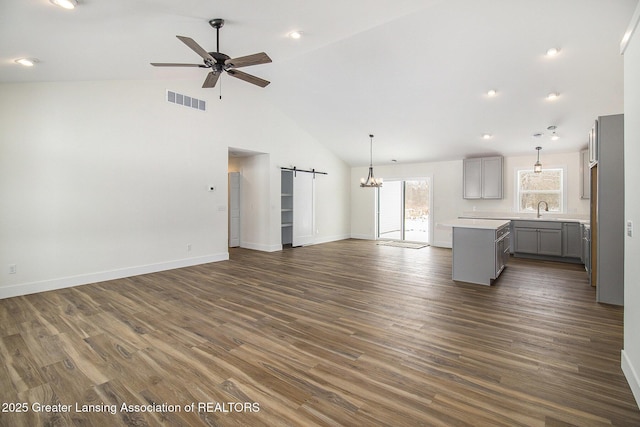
(106, 179)
(631, 352)
(447, 191)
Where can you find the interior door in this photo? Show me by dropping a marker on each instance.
(303, 206)
(234, 209)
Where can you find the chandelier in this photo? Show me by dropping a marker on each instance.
(371, 181)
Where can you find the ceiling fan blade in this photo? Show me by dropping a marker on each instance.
(196, 48)
(245, 61)
(169, 64)
(211, 80)
(248, 78)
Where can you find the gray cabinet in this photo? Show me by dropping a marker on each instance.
(550, 242)
(607, 210)
(585, 175)
(593, 145)
(525, 240)
(538, 238)
(571, 240)
(479, 254)
(482, 178)
(472, 178)
(503, 249)
(554, 240)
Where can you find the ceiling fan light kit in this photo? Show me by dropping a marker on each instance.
(219, 62)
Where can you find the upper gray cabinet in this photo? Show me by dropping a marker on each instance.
(482, 178)
(585, 175)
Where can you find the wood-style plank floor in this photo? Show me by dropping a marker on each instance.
(345, 333)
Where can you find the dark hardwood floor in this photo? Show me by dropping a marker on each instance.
(344, 333)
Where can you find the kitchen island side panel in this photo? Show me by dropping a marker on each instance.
(473, 255)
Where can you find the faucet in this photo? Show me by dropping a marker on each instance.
(546, 207)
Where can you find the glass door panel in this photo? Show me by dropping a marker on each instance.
(390, 211)
(416, 211)
(403, 210)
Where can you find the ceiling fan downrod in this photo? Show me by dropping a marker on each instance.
(217, 23)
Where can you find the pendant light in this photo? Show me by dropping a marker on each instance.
(537, 168)
(371, 181)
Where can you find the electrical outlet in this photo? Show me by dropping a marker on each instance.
(630, 228)
(12, 269)
(189, 247)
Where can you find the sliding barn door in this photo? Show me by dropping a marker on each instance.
(303, 206)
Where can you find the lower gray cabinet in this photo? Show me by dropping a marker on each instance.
(550, 242)
(548, 239)
(571, 240)
(479, 254)
(525, 240)
(538, 238)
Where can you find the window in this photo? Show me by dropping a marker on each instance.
(532, 188)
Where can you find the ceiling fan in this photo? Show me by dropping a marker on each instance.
(219, 62)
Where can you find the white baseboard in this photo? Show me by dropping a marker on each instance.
(363, 237)
(442, 244)
(631, 375)
(328, 239)
(260, 247)
(84, 279)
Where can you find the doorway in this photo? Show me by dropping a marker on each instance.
(404, 210)
(249, 212)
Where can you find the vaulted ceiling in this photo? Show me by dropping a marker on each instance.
(413, 72)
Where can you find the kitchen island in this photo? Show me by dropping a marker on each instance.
(480, 249)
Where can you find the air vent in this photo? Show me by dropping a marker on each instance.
(186, 101)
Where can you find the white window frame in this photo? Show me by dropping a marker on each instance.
(563, 185)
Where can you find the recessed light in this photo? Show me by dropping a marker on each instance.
(552, 96)
(537, 134)
(553, 51)
(486, 136)
(295, 34)
(67, 4)
(492, 92)
(27, 62)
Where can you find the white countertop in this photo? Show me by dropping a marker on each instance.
(546, 216)
(488, 224)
